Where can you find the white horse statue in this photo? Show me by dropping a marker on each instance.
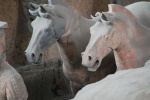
(131, 84)
(121, 32)
(64, 25)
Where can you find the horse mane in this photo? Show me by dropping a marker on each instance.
(75, 15)
(115, 7)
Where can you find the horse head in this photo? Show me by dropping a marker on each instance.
(48, 27)
(106, 35)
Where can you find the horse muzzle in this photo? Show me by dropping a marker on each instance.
(34, 58)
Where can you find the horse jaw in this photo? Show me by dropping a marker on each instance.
(90, 63)
(95, 66)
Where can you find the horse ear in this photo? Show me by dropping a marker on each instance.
(97, 18)
(34, 13)
(3, 25)
(48, 9)
(34, 6)
(43, 13)
(106, 18)
(115, 7)
(58, 2)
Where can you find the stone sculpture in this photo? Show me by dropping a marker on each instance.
(132, 84)
(118, 30)
(63, 24)
(12, 86)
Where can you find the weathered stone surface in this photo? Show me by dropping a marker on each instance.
(17, 16)
(132, 84)
(18, 35)
(83, 6)
(9, 13)
(15, 12)
(129, 49)
(12, 86)
(45, 82)
(24, 35)
(100, 5)
(11, 83)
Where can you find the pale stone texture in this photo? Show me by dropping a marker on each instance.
(12, 86)
(132, 84)
(18, 36)
(129, 49)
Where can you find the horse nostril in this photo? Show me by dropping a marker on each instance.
(24, 52)
(90, 58)
(32, 55)
(41, 55)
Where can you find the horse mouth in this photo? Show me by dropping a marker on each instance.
(35, 63)
(95, 66)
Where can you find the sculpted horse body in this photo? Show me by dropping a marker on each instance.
(120, 31)
(132, 84)
(64, 25)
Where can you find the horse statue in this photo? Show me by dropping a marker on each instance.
(70, 30)
(132, 84)
(12, 86)
(64, 25)
(118, 30)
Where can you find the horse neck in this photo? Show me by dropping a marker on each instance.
(125, 54)
(76, 37)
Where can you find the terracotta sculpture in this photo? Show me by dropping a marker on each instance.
(132, 84)
(12, 86)
(64, 25)
(120, 31)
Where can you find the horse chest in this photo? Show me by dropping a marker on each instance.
(75, 73)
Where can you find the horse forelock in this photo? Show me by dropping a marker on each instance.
(43, 21)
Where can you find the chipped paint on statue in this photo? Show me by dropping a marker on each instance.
(120, 31)
(65, 26)
(62, 24)
(12, 86)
